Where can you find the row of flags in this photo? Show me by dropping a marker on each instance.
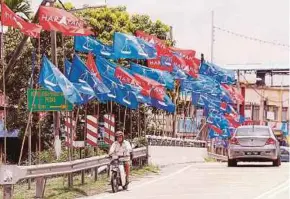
(100, 78)
(49, 18)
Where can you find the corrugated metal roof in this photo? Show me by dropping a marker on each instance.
(256, 67)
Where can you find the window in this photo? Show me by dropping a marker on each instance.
(284, 114)
(256, 113)
(250, 131)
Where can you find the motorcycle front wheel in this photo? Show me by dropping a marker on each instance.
(114, 182)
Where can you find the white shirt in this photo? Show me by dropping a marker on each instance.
(121, 150)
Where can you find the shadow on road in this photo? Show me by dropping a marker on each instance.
(253, 165)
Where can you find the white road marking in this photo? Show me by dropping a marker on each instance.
(149, 182)
(273, 190)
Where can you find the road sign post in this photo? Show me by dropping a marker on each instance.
(41, 100)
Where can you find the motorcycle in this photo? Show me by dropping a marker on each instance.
(117, 174)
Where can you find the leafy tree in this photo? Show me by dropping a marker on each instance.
(104, 22)
(19, 7)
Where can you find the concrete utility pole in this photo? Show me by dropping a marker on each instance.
(212, 37)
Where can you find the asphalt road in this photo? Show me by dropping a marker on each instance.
(210, 181)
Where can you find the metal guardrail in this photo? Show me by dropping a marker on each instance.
(218, 157)
(170, 141)
(11, 174)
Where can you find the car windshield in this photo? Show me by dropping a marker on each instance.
(256, 131)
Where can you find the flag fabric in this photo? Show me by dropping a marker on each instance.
(162, 62)
(92, 130)
(105, 67)
(185, 54)
(67, 68)
(125, 77)
(178, 74)
(221, 75)
(91, 64)
(131, 47)
(233, 92)
(80, 73)
(82, 86)
(162, 77)
(52, 79)
(150, 88)
(86, 44)
(188, 66)
(160, 45)
(120, 93)
(9, 18)
(56, 19)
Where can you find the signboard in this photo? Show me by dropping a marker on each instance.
(45, 100)
(270, 115)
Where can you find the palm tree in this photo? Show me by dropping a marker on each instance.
(19, 6)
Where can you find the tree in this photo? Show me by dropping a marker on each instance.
(20, 7)
(104, 21)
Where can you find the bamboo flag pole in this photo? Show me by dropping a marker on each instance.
(4, 91)
(124, 127)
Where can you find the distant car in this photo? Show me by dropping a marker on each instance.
(253, 144)
(284, 153)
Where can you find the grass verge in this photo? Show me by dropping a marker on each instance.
(56, 188)
(209, 159)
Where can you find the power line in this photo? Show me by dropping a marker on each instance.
(252, 38)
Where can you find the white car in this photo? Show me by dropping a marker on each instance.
(253, 144)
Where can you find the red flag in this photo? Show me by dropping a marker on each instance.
(185, 54)
(91, 64)
(234, 93)
(150, 87)
(216, 129)
(60, 20)
(163, 63)
(186, 65)
(232, 120)
(125, 77)
(9, 18)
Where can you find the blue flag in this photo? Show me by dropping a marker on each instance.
(120, 93)
(163, 77)
(86, 44)
(79, 72)
(105, 67)
(52, 79)
(178, 74)
(131, 47)
(221, 75)
(82, 86)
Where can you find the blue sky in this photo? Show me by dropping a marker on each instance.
(191, 20)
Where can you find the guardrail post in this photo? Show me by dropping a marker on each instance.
(7, 191)
(83, 177)
(147, 155)
(96, 173)
(70, 180)
(40, 187)
(108, 170)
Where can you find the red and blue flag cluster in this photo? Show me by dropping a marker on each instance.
(100, 78)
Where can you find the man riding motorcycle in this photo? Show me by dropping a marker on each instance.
(122, 147)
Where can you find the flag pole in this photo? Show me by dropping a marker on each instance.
(125, 119)
(4, 90)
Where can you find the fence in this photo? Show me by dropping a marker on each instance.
(169, 141)
(11, 174)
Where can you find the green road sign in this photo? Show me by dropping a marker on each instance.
(44, 100)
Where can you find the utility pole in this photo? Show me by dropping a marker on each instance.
(212, 37)
(239, 90)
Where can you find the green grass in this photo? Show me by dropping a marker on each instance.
(209, 159)
(56, 188)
